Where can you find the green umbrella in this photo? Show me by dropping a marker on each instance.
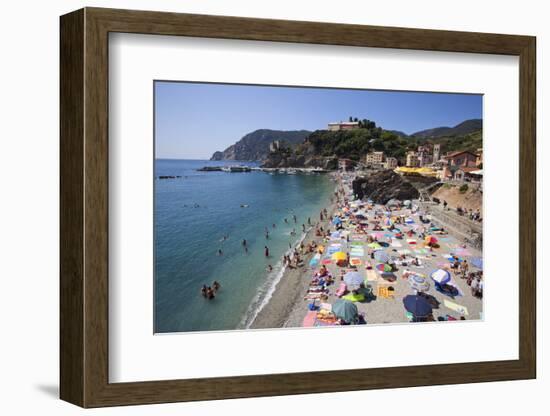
(345, 310)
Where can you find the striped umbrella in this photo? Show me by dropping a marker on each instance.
(418, 283)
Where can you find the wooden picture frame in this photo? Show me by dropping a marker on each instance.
(84, 207)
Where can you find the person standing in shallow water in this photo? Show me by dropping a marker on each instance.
(266, 251)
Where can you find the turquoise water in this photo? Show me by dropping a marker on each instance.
(194, 212)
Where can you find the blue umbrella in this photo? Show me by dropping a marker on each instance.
(417, 305)
(441, 276)
(353, 278)
(344, 309)
(477, 262)
(381, 256)
(336, 220)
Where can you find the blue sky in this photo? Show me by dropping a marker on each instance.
(193, 120)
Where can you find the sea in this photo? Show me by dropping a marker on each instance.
(199, 213)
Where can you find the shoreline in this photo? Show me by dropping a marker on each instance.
(286, 303)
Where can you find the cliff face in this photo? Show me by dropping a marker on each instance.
(255, 146)
(383, 186)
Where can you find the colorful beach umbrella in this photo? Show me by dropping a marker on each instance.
(441, 276)
(381, 256)
(418, 282)
(339, 255)
(353, 278)
(384, 267)
(375, 246)
(345, 310)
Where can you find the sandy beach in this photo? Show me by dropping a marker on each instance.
(287, 301)
(288, 308)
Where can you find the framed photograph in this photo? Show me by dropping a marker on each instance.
(255, 207)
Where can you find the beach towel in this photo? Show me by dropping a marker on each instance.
(341, 290)
(354, 298)
(326, 262)
(463, 310)
(309, 319)
(405, 251)
(355, 261)
(396, 244)
(411, 241)
(326, 307)
(315, 260)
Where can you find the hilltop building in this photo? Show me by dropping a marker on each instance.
(343, 125)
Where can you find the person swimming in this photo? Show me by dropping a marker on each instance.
(216, 286)
(204, 291)
(210, 293)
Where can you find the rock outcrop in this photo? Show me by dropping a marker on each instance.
(255, 146)
(383, 186)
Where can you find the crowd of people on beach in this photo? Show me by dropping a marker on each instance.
(372, 234)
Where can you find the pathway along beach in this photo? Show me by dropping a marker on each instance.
(417, 253)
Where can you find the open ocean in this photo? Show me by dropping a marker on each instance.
(194, 212)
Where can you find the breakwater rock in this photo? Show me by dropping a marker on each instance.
(383, 186)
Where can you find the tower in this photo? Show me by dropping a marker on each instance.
(437, 152)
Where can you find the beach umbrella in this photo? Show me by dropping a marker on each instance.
(418, 283)
(381, 256)
(375, 246)
(441, 276)
(339, 255)
(430, 239)
(335, 234)
(477, 262)
(417, 305)
(407, 202)
(336, 220)
(345, 310)
(353, 278)
(384, 267)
